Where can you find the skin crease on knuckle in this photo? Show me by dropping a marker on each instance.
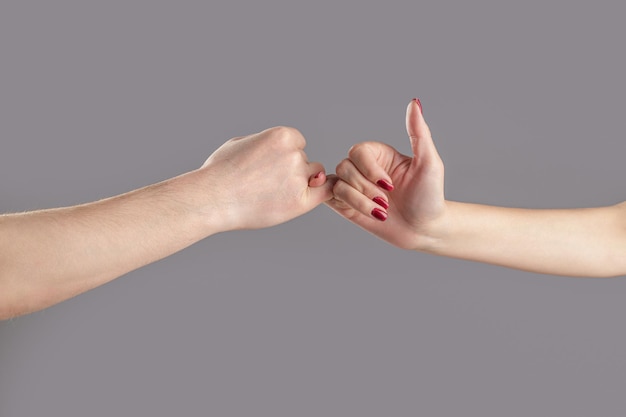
(344, 208)
(345, 170)
(357, 202)
(337, 191)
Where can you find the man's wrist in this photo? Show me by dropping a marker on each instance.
(196, 199)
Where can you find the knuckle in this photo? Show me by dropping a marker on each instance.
(338, 188)
(360, 149)
(342, 168)
(356, 150)
(285, 135)
(278, 136)
(283, 130)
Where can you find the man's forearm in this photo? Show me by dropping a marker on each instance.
(51, 255)
(576, 242)
(249, 182)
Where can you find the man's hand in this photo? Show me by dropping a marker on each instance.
(264, 179)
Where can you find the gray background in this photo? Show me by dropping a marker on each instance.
(316, 317)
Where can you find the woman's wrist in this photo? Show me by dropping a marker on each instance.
(434, 235)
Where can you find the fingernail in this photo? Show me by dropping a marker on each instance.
(385, 185)
(319, 174)
(379, 214)
(381, 202)
(419, 104)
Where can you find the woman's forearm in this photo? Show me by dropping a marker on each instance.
(574, 242)
(51, 255)
(415, 214)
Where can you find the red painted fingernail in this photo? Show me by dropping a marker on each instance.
(381, 202)
(385, 185)
(379, 214)
(419, 104)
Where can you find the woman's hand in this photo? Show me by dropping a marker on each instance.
(262, 180)
(398, 198)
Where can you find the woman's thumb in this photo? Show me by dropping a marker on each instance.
(417, 129)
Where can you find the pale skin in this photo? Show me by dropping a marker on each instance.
(250, 182)
(588, 242)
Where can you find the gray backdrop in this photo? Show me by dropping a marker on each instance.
(316, 317)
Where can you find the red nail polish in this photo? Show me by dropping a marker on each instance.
(379, 214)
(419, 104)
(385, 185)
(381, 202)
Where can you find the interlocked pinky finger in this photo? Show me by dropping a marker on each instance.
(374, 208)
